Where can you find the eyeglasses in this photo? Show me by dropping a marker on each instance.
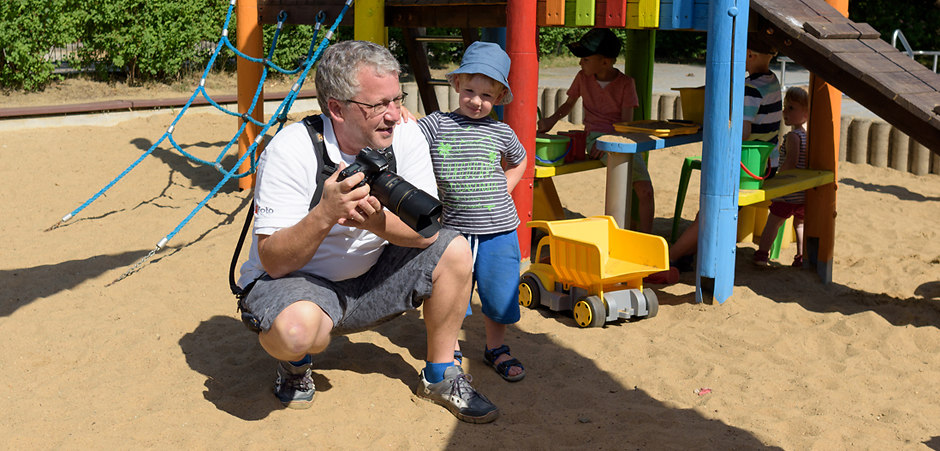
(381, 107)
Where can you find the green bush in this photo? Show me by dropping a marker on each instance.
(147, 39)
(552, 40)
(160, 39)
(28, 30)
(919, 20)
(670, 45)
(292, 44)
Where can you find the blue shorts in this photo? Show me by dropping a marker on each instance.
(496, 274)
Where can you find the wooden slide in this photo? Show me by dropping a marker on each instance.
(852, 57)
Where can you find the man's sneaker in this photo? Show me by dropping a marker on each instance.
(294, 385)
(456, 394)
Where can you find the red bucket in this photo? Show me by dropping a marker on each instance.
(576, 145)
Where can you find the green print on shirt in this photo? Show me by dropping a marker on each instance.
(467, 176)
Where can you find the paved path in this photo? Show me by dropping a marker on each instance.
(667, 76)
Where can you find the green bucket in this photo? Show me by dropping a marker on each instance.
(754, 157)
(550, 150)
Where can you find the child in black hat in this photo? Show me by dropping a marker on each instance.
(609, 97)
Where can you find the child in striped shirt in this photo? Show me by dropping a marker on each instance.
(478, 161)
(793, 154)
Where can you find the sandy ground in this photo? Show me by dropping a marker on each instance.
(160, 360)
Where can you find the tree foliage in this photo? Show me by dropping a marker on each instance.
(28, 30)
(918, 20)
(163, 39)
(147, 39)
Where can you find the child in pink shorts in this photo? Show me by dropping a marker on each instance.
(793, 154)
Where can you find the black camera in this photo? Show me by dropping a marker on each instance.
(418, 209)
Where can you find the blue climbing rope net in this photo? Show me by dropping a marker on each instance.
(279, 117)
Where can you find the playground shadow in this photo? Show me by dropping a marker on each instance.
(239, 376)
(169, 251)
(201, 175)
(786, 284)
(893, 190)
(20, 287)
(238, 372)
(929, 291)
(564, 389)
(933, 443)
(228, 217)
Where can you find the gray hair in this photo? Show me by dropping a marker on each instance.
(338, 70)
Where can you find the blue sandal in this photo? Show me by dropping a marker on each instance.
(502, 368)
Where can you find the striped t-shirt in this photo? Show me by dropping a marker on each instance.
(798, 197)
(467, 155)
(763, 108)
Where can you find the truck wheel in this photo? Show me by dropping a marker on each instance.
(652, 302)
(590, 311)
(529, 293)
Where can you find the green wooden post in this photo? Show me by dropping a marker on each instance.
(638, 63)
(579, 13)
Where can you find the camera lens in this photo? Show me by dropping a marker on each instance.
(416, 208)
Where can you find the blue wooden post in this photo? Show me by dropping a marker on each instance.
(721, 149)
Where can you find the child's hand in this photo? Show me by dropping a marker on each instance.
(543, 126)
(594, 153)
(406, 116)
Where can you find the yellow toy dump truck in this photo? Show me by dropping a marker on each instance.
(593, 268)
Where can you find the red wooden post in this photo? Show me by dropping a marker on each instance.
(520, 113)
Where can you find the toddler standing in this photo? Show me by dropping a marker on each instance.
(793, 154)
(478, 161)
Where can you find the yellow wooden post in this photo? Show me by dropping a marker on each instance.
(642, 13)
(369, 22)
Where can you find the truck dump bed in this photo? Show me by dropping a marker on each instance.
(594, 252)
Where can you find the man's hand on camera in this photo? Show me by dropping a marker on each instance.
(368, 215)
(341, 198)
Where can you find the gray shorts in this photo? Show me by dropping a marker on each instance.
(399, 281)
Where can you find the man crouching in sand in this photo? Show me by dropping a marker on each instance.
(346, 263)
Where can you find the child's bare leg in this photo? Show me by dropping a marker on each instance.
(495, 337)
(798, 227)
(769, 234)
(687, 242)
(646, 205)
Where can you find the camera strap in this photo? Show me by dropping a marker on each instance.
(327, 167)
(314, 124)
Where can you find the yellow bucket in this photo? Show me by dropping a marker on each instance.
(693, 103)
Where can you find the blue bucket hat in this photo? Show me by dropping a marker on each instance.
(488, 59)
